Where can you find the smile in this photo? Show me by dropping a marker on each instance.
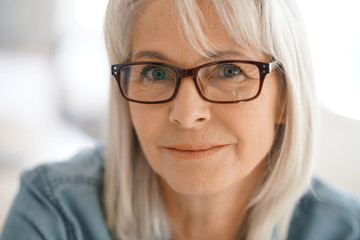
(192, 152)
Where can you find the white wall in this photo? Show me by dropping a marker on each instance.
(339, 151)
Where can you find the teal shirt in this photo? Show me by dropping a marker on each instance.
(63, 201)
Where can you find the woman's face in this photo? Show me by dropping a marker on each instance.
(198, 147)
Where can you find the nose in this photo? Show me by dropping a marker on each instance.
(188, 109)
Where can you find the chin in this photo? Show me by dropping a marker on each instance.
(200, 185)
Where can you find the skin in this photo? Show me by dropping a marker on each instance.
(205, 194)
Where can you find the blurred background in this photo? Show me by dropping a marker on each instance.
(54, 80)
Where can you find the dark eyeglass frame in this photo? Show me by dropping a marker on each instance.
(264, 69)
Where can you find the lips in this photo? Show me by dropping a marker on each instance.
(194, 151)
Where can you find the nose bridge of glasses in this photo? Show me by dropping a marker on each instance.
(191, 73)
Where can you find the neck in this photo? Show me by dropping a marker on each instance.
(215, 216)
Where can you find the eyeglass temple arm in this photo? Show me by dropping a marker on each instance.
(273, 65)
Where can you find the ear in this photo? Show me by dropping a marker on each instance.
(281, 110)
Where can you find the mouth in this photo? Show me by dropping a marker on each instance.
(194, 151)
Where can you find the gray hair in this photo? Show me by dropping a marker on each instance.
(132, 197)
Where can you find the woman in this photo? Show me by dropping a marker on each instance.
(211, 134)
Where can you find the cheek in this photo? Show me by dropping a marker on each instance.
(254, 128)
(264, 114)
(146, 118)
(148, 121)
(262, 124)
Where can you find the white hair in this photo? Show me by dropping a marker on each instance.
(132, 196)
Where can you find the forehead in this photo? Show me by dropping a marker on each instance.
(160, 27)
(162, 15)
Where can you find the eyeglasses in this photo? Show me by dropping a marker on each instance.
(229, 81)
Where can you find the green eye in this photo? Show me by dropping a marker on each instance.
(159, 74)
(230, 71)
(155, 73)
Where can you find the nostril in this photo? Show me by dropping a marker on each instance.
(189, 113)
(188, 122)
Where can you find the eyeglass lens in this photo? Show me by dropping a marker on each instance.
(219, 82)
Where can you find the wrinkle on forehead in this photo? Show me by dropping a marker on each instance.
(241, 21)
(158, 27)
(162, 16)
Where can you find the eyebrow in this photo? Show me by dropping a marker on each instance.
(151, 54)
(210, 55)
